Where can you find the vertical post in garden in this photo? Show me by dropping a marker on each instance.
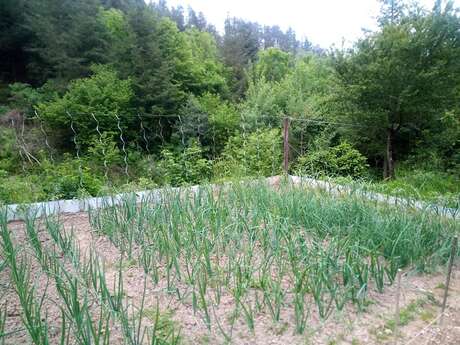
(453, 252)
(398, 294)
(286, 145)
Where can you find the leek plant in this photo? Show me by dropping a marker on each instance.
(243, 239)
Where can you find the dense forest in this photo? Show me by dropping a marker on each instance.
(104, 95)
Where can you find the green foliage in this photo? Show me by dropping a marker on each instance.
(158, 63)
(423, 184)
(308, 90)
(311, 89)
(223, 118)
(402, 79)
(115, 23)
(273, 65)
(13, 189)
(82, 62)
(256, 154)
(340, 160)
(104, 149)
(439, 146)
(67, 39)
(66, 181)
(184, 167)
(103, 94)
(209, 73)
(51, 181)
(23, 97)
(9, 154)
(208, 118)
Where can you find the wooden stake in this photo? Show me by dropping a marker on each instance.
(398, 294)
(449, 272)
(286, 145)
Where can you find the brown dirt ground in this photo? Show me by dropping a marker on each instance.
(372, 326)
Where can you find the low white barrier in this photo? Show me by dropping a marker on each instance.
(19, 211)
(337, 189)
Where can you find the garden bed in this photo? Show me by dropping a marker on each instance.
(245, 264)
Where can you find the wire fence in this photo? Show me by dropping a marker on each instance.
(151, 133)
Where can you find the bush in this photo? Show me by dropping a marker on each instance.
(65, 181)
(208, 118)
(9, 154)
(419, 183)
(24, 97)
(259, 154)
(185, 167)
(20, 189)
(341, 160)
(104, 149)
(223, 120)
(103, 94)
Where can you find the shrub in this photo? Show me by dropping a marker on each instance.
(66, 181)
(104, 149)
(223, 120)
(186, 166)
(20, 189)
(258, 154)
(9, 154)
(103, 94)
(340, 160)
(23, 97)
(208, 118)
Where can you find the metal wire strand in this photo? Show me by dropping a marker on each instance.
(181, 130)
(144, 134)
(123, 145)
(77, 147)
(106, 167)
(42, 129)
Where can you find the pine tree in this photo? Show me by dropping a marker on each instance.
(68, 38)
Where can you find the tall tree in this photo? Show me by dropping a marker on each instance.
(391, 12)
(273, 65)
(156, 89)
(68, 38)
(403, 78)
(177, 15)
(13, 38)
(241, 43)
(195, 20)
(124, 5)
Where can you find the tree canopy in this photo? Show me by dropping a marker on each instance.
(90, 81)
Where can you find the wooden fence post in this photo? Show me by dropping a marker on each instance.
(398, 296)
(286, 145)
(449, 272)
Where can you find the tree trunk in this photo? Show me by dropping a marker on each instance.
(385, 167)
(389, 168)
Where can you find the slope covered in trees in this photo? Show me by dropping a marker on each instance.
(97, 94)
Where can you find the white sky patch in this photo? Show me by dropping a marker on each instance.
(323, 22)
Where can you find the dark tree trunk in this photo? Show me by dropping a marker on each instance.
(389, 168)
(385, 167)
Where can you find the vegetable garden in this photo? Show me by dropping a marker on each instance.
(248, 263)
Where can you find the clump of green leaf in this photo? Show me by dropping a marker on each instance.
(340, 160)
(184, 166)
(255, 154)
